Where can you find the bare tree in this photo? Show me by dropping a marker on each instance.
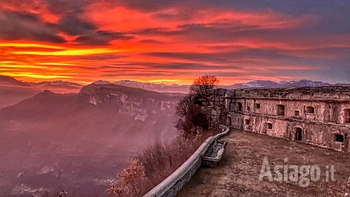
(203, 87)
(191, 109)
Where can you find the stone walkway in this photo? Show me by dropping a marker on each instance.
(238, 173)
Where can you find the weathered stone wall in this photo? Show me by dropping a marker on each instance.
(311, 115)
(216, 109)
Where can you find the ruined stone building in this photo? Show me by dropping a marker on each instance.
(313, 115)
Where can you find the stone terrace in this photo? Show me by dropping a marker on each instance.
(239, 170)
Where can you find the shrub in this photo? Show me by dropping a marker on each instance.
(153, 166)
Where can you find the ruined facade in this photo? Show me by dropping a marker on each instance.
(313, 115)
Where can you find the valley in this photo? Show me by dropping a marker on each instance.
(78, 142)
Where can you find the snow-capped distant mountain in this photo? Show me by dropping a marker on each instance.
(158, 87)
(251, 84)
(255, 84)
(58, 84)
(273, 84)
(101, 82)
(303, 83)
(161, 87)
(7, 80)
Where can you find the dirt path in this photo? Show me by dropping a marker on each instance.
(238, 173)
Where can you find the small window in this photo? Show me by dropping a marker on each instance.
(239, 106)
(232, 107)
(347, 115)
(338, 138)
(280, 110)
(248, 108)
(310, 110)
(257, 105)
(269, 125)
(247, 121)
(296, 113)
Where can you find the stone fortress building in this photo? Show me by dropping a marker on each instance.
(313, 115)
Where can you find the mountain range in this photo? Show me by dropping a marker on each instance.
(7, 80)
(161, 87)
(251, 84)
(59, 83)
(79, 141)
(12, 90)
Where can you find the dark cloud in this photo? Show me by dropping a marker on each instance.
(26, 26)
(150, 5)
(67, 7)
(74, 26)
(258, 56)
(22, 5)
(192, 66)
(136, 74)
(220, 57)
(156, 31)
(181, 13)
(102, 38)
(151, 41)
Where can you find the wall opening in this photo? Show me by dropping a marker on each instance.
(280, 110)
(247, 121)
(338, 138)
(248, 108)
(269, 125)
(239, 106)
(310, 110)
(296, 113)
(347, 115)
(257, 105)
(229, 121)
(298, 134)
(232, 107)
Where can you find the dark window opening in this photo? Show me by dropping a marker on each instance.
(298, 134)
(280, 110)
(232, 107)
(257, 105)
(347, 115)
(269, 125)
(338, 138)
(239, 106)
(229, 120)
(248, 108)
(310, 110)
(297, 113)
(247, 121)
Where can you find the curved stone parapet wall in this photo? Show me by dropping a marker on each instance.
(173, 184)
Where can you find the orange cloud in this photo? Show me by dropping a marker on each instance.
(168, 43)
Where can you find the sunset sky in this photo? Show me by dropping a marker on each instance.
(175, 41)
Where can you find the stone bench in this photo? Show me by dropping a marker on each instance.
(214, 154)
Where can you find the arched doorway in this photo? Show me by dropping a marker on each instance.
(298, 134)
(229, 121)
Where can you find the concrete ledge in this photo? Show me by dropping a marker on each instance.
(173, 183)
(216, 153)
